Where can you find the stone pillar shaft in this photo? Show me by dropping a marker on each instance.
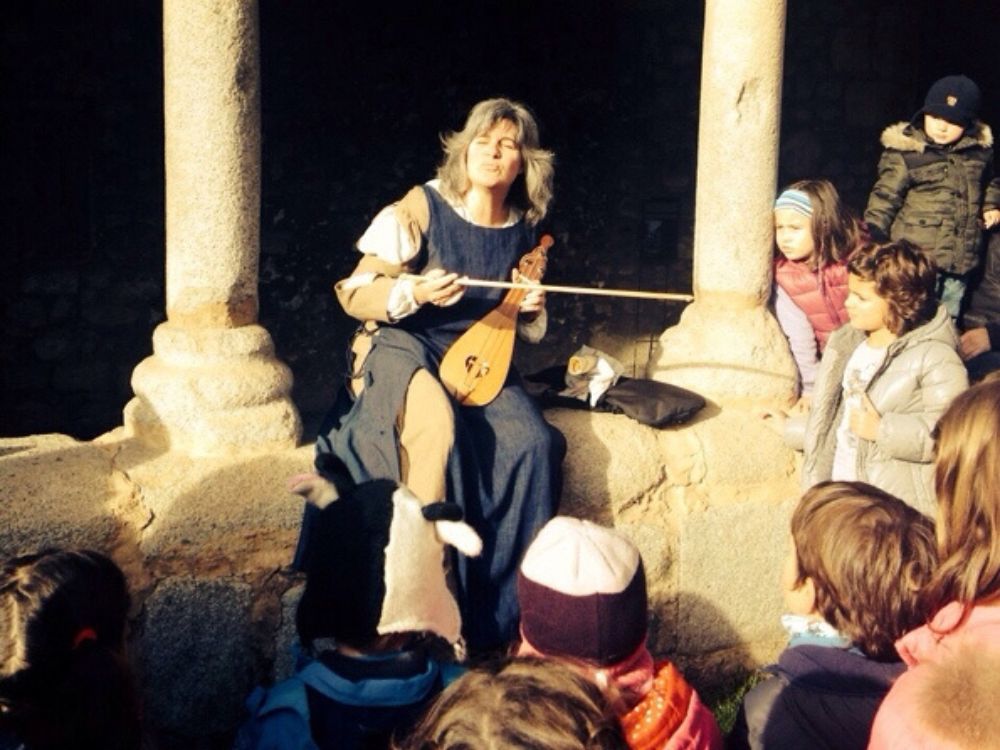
(213, 384)
(212, 152)
(738, 132)
(727, 346)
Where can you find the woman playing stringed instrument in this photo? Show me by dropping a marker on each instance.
(500, 461)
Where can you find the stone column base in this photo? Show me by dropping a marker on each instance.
(731, 355)
(212, 391)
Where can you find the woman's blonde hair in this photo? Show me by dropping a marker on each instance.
(519, 703)
(966, 472)
(532, 190)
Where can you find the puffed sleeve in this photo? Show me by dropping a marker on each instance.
(387, 238)
(801, 337)
(992, 198)
(391, 242)
(533, 331)
(888, 194)
(908, 436)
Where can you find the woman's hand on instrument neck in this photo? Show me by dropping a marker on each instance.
(438, 288)
(534, 299)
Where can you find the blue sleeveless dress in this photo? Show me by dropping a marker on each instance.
(505, 468)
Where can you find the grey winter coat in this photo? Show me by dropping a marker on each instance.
(920, 376)
(934, 195)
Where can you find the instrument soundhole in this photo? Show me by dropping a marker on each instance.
(472, 363)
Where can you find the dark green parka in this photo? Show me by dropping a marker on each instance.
(934, 195)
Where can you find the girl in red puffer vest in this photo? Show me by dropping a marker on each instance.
(814, 233)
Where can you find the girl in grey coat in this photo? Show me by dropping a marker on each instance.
(885, 379)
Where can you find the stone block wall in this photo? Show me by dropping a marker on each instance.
(206, 546)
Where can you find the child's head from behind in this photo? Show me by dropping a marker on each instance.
(582, 591)
(966, 468)
(891, 287)
(520, 703)
(63, 677)
(861, 558)
(812, 225)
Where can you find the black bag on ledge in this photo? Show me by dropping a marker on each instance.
(649, 402)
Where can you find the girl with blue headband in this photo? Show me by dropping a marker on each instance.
(814, 233)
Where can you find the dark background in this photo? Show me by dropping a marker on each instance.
(354, 97)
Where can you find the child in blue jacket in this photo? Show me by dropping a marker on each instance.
(374, 620)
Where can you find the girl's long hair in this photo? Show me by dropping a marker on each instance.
(836, 233)
(532, 190)
(966, 471)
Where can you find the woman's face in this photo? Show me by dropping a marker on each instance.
(493, 159)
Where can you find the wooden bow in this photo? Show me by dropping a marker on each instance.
(475, 367)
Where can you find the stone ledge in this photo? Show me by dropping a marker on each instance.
(206, 543)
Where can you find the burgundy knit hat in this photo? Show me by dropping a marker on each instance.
(582, 591)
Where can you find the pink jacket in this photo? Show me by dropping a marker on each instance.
(897, 725)
(820, 294)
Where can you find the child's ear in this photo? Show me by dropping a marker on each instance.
(808, 592)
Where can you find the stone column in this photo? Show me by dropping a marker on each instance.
(213, 384)
(727, 346)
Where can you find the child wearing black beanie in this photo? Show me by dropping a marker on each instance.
(936, 187)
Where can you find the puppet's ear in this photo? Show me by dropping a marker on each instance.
(447, 520)
(314, 489)
(461, 536)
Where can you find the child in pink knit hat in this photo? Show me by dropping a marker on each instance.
(582, 591)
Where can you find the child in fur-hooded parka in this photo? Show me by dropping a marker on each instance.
(936, 185)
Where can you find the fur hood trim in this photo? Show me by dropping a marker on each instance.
(903, 136)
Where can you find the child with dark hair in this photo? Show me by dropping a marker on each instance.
(519, 704)
(884, 379)
(851, 581)
(582, 589)
(375, 618)
(64, 680)
(936, 185)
